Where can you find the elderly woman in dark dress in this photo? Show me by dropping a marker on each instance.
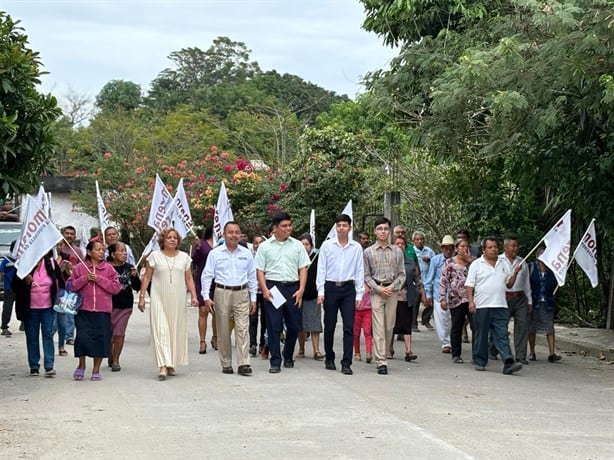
(409, 298)
(312, 312)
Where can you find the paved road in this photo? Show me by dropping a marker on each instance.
(427, 409)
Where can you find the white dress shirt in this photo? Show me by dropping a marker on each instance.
(230, 268)
(522, 282)
(341, 263)
(488, 283)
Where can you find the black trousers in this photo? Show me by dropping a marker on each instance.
(339, 299)
(458, 315)
(253, 323)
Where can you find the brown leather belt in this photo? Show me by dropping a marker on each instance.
(382, 283)
(514, 294)
(231, 288)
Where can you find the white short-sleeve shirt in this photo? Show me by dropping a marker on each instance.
(488, 283)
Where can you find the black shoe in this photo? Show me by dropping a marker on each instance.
(34, 371)
(252, 350)
(227, 370)
(509, 369)
(523, 361)
(274, 370)
(532, 357)
(6, 332)
(244, 370)
(330, 365)
(347, 370)
(382, 370)
(554, 358)
(288, 364)
(410, 356)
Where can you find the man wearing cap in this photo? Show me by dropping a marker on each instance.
(281, 263)
(443, 320)
(486, 282)
(384, 268)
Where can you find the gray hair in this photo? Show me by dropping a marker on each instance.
(418, 233)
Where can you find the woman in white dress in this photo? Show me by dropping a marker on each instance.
(170, 275)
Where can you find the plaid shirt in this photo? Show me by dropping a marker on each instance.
(384, 264)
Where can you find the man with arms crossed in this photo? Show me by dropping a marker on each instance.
(281, 262)
(384, 274)
(486, 282)
(340, 283)
(232, 267)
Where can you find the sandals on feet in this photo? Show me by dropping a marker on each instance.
(301, 353)
(203, 347)
(63, 353)
(214, 342)
(78, 374)
(96, 377)
(318, 356)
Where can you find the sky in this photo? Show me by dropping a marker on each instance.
(84, 44)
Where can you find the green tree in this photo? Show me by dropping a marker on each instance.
(119, 95)
(26, 116)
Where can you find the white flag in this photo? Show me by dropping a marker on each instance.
(347, 210)
(182, 218)
(312, 226)
(84, 239)
(43, 201)
(586, 254)
(222, 214)
(558, 246)
(160, 201)
(103, 215)
(38, 236)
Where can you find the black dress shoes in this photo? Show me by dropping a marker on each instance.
(382, 370)
(347, 370)
(330, 365)
(244, 370)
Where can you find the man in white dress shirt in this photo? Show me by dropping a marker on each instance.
(340, 283)
(232, 266)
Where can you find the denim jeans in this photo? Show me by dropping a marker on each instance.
(59, 325)
(493, 320)
(339, 299)
(40, 320)
(289, 314)
(70, 327)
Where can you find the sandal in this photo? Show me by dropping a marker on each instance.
(63, 353)
(203, 347)
(78, 374)
(214, 342)
(318, 356)
(301, 353)
(96, 377)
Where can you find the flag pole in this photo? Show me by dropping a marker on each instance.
(534, 249)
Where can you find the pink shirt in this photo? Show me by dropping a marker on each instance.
(98, 295)
(365, 304)
(40, 293)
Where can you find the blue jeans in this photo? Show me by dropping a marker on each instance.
(40, 320)
(339, 299)
(59, 325)
(494, 320)
(70, 327)
(275, 317)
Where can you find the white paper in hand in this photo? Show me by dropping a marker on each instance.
(277, 298)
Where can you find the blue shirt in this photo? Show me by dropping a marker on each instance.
(8, 267)
(431, 283)
(420, 253)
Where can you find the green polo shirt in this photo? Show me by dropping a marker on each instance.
(281, 260)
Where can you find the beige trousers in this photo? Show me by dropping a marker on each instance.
(383, 316)
(232, 306)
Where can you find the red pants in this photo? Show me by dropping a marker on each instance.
(362, 319)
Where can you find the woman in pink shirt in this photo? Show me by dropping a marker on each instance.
(34, 298)
(96, 280)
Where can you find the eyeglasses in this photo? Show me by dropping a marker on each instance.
(382, 229)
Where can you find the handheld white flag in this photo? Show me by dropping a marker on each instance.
(586, 254)
(43, 201)
(222, 214)
(347, 210)
(84, 239)
(160, 201)
(103, 215)
(558, 246)
(182, 218)
(312, 226)
(38, 236)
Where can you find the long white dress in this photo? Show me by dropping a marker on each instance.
(168, 308)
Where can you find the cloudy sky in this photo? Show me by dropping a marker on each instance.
(85, 44)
